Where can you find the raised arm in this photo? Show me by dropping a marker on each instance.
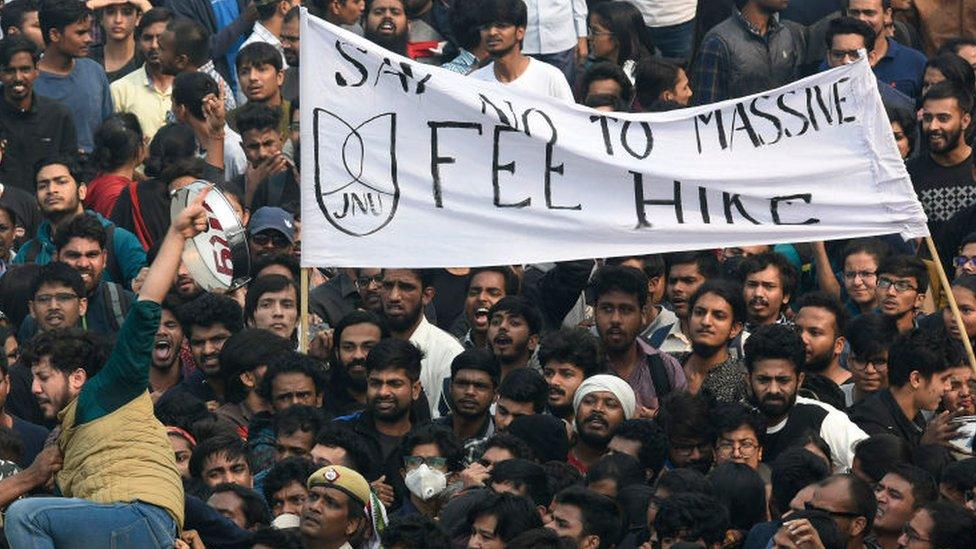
(126, 374)
(191, 222)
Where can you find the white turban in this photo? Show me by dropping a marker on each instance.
(611, 384)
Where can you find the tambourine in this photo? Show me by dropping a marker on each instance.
(218, 258)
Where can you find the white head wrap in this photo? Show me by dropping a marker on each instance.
(609, 383)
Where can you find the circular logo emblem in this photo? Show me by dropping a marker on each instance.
(332, 475)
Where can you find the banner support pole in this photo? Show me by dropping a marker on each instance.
(303, 326)
(952, 301)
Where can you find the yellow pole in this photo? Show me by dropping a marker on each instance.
(303, 323)
(952, 301)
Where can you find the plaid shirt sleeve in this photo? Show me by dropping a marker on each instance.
(711, 72)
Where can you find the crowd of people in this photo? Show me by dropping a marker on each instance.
(807, 395)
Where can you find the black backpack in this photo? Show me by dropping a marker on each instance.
(659, 375)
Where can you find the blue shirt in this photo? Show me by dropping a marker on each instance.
(226, 12)
(85, 92)
(902, 68)
(890, 97)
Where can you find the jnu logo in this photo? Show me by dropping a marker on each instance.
(356, 171)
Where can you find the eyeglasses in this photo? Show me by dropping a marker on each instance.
(961, 261)
(841, 55)
(685, 450)
(900, 285)
(846, 514)
(725, 447)
(364, 281)
(434, 462)
(277, 240)
(864, 275)
(62, 297)
(591, 31)
(879, 364)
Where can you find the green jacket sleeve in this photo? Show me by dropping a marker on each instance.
(126, 374)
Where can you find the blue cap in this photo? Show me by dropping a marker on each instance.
(270, 217)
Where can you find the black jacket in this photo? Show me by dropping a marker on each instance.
(45, 129)
(879, 413)
(334, 299)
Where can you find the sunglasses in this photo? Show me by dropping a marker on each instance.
(276, 240)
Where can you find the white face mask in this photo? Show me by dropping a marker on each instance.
(425, 482)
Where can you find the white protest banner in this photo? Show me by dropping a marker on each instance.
(408, 165)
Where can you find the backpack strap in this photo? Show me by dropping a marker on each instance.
(114, 302)
(659, 375)
(113, 262)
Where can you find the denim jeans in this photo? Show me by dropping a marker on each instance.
(674, 41)
(69, 523)
(564, 61)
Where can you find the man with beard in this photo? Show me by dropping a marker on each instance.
(620, 297)
(602, 403)
(393, 384)
(60, 190)
(386, 25)
(943, 178)
(291, 45)
(118, 461)
(513, 333)
(146, 92)
(208, 322)
(473, 388)
(919, 370)
(25, 116)
(717, 315)
(568, 356)
(486, 286)
(167, 363)
(768, 282)
(369, 284)
(686, 272)
(503, 29)
(81, 244)
(774, 358)
(405, 293)
(355, 335)
(902, 283)
(821, 320)
(270, 231)
(184, 286)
